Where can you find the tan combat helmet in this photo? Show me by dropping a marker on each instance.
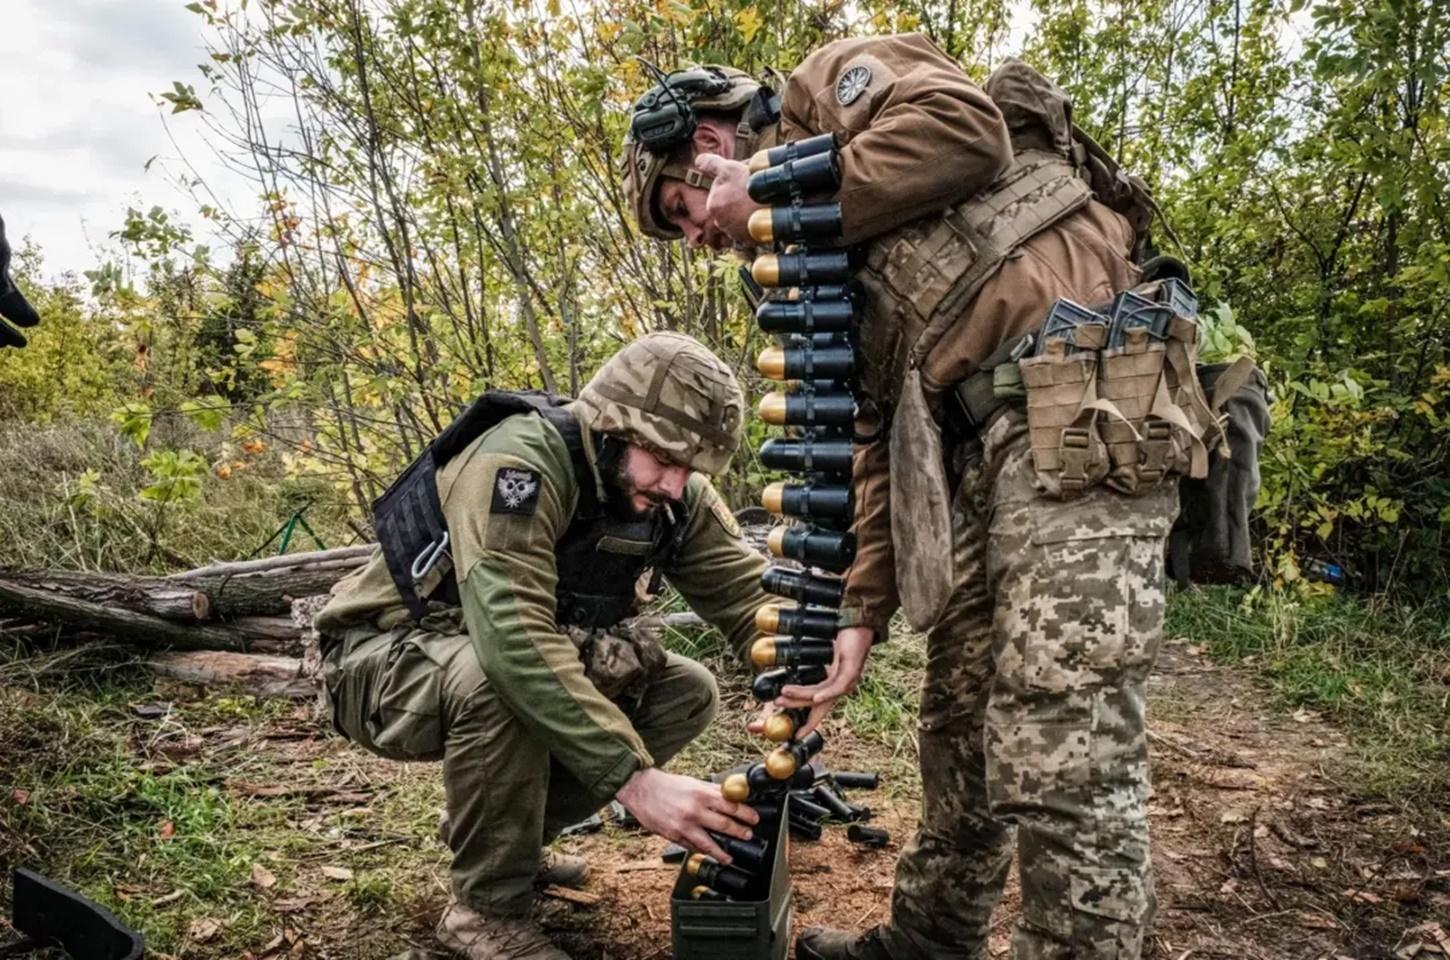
(663, 119)
(672, 396)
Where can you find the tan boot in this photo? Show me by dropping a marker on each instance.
(477, 936)
(563, 869)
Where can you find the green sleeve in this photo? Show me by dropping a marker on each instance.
(716, 570)
(507, 578)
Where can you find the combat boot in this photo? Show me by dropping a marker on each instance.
(477, 936)
(826, 943)
(563, 869)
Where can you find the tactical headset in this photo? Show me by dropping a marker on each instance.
(664, 117)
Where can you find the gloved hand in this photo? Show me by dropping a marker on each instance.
(13, 305)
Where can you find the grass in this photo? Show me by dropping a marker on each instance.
(70, 499)
(1381, 671)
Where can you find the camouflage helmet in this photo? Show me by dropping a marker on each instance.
(647, 157)
(672, 396)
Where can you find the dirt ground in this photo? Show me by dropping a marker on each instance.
(1260, 851)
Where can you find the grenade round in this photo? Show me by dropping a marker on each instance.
(807, 455)
(828, 549)
(807, 363)
(803, 587)
(703, 892)
(781, 727)
(767, 686)
(816, 173)
(808, 409)
(805, 317)
(796, 223)
(717, 876)
(770, 652)
(740, 787)
(802, 802)
(821, 292)
(749, 854)
(796, 622)
(801, 269)
(786, 152)
(783, 762)
(825, 501)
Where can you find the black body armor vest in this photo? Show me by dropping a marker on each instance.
(600, 558)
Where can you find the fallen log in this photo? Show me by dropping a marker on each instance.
(157, 596)
(120, 623)
(269, 585)
(262, 676)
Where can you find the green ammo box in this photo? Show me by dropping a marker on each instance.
(739, 929)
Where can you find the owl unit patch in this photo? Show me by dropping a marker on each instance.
(515, 491)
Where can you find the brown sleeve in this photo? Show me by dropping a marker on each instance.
(871, 598)
(919, 137)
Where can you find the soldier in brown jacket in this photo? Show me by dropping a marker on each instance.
(1040, 646)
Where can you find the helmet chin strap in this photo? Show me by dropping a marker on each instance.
(690, 175)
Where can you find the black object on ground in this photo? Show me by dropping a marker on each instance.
(48, 914)
(874, 837)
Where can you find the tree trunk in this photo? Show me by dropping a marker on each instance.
(155, 596)
(264, 587)
(120, 623)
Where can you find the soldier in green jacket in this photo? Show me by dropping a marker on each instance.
(505, 657)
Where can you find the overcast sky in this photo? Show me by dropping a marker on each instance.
(77, 124)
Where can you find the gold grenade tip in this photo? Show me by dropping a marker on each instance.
(766, 270)
(780, 764)
(761, 226)
(779, 728)
(771, 363)
(736, 788)
(762, 653)
(772, 408)
(767, 618)
(773, 497)
(775, 541)
(793, 294)
(693, 865)
(701, 892)
(758, 161)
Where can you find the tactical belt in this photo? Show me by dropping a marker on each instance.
(995, 386)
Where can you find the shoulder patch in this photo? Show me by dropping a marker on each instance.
(852, 83)
(726, 518)
(515, 491)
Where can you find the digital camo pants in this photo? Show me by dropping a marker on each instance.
(419, 694)
(1033, 718)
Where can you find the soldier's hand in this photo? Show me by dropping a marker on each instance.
(729, 205)
(853, 644)
(682, 809)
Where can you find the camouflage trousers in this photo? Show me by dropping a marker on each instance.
(418, 693)
(1032, 718)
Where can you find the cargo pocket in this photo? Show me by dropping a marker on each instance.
(1108, 892)
(1034, 766)
(406, 722)
(1092, 611)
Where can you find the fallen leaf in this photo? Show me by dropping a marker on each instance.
(151, 711)
(167, 830)
(337, 873)
(292, 904)
(262, 877)
(170, 898)
(20, 797)
(203, 930)
(1233, 816)
(1364, 896)
(1319, 863)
